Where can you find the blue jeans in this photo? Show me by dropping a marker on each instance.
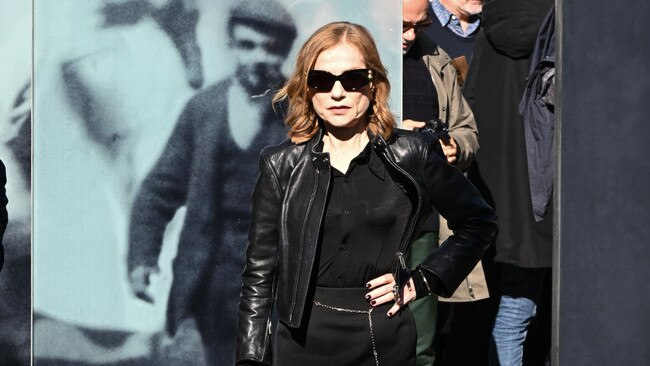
(510, 329)
(521, 289)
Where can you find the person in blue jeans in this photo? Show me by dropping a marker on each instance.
(494, 87)
(521, 290)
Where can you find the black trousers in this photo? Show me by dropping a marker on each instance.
(341, 328)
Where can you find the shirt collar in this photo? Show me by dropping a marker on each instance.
(374, 163)
(450, 21)
(366, 156)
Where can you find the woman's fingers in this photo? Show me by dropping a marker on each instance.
(408, 295)
(382, 292)
(381, 280)
(381, 295)
(381, 289)
(393, 310)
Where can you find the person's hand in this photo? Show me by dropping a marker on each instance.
(139, 279)
(409, 124)
(382, 292)
(450, 149)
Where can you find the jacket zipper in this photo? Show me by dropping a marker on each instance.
(302, 238)
(411, 227)
(400, 258)
(470, 290)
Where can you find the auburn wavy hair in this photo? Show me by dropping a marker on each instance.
(301, 118)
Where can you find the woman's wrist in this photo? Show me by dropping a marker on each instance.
(425, 283)
(422, 288)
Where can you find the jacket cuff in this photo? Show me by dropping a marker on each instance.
(425, 282)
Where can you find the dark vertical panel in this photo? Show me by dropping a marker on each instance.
(604, 198)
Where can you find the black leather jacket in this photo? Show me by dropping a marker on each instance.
(289, 202)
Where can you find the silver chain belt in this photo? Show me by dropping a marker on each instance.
(368, 312)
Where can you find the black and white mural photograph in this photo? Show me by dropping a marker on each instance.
(149, 117)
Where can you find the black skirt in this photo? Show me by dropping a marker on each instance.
(341, 328)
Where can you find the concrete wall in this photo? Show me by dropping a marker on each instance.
(602, 313)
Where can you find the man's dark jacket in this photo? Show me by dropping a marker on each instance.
(537, 106)
(289, 202)
(495, 83)
(187, 174)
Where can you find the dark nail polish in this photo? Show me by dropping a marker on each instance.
(390, 315)
(367, 297)
(368, 285)
(373, 302)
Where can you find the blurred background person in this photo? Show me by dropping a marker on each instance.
(209, 166)
(455, 23)
(465, 319)
(494, 88)
(117, 79)
(177, 18)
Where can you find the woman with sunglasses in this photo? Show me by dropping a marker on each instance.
(334, 211)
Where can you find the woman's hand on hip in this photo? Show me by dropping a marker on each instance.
(381, 292)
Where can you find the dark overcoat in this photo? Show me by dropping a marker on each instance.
(495, 84)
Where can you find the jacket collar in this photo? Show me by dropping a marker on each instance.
(433, 55)
(321, 159)
(377, 141)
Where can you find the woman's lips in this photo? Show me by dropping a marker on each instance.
(338, 109)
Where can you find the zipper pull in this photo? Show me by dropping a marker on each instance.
(470, 289)
(400, 258)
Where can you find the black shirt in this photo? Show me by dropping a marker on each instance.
(364, 223)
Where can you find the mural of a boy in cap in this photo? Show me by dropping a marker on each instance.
(209, 166)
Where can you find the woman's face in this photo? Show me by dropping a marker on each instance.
(339, 108)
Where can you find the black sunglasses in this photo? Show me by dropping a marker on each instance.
(351, 80)
(417, 27)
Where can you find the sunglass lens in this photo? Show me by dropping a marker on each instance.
(321, 80)
(354, 79)
(350, 80)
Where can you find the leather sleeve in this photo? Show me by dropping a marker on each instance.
(469, 216)
(254, 324)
